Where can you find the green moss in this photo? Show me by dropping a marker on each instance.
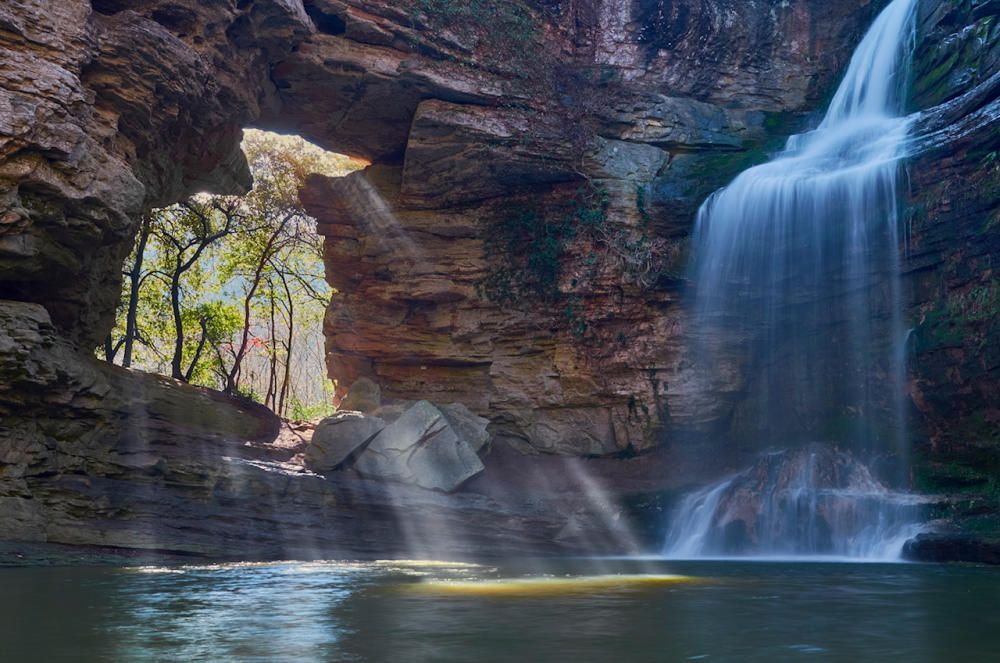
(526, 250)
(960, 318)
(937, 477)
(981, 303)
(640, 205)
(992, 223)
(507, 28)
(781, 124)
(955, 63)
(530, 251)
(933, 86)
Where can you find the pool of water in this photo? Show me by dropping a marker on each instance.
(527, 611)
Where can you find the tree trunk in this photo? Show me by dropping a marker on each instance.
(286, 381)
(198, 350)
(247, 302)
(272, 376)
(176, 370)
(135, 279)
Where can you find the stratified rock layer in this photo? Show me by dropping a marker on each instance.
(651, 107)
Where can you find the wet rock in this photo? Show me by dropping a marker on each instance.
(338, 437)
(363, 396)
(954, 547)
(421, 448)
(813, 500)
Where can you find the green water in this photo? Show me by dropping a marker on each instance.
(334, 611)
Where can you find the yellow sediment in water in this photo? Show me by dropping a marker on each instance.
(549, 586)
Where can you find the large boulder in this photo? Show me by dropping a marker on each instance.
(363, 396)
(338, 437)
(422, 448)
(467, 425)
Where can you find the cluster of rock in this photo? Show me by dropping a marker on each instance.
(433, 447)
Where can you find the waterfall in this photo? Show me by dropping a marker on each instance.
(795, 267)
(813, 500)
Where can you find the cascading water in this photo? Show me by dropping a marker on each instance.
(814, 500)
(796, 266)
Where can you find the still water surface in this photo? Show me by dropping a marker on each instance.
(418, 611)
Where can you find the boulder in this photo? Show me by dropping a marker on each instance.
(363, 396)
(421, 448)
(467, 425)
(394, 410)
(338, 437)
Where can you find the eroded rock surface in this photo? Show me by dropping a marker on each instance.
(421, 448)
(336, 438)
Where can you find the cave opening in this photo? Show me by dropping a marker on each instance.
(228, 292)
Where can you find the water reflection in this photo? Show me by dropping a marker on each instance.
(381, 611)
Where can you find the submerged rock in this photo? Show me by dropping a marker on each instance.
(339, 436)
(421, 448)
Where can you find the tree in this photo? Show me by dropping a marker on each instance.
(135, 277)
(284, 239)
(227, 292)
(186, 231)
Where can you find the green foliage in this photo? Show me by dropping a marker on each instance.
(527, 250)
(505, 27)
(980, 303)
(257, 285)
(221, 320)
(551, 258)
(967, 319)
(311, 411)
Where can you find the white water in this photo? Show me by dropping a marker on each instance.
(812, 501)
(796, 266)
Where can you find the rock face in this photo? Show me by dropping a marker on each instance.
(646, 108)
(950, 264)
(484, 136)
(115, 106)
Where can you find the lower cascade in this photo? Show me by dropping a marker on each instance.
(796, 266)
(815, 500)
